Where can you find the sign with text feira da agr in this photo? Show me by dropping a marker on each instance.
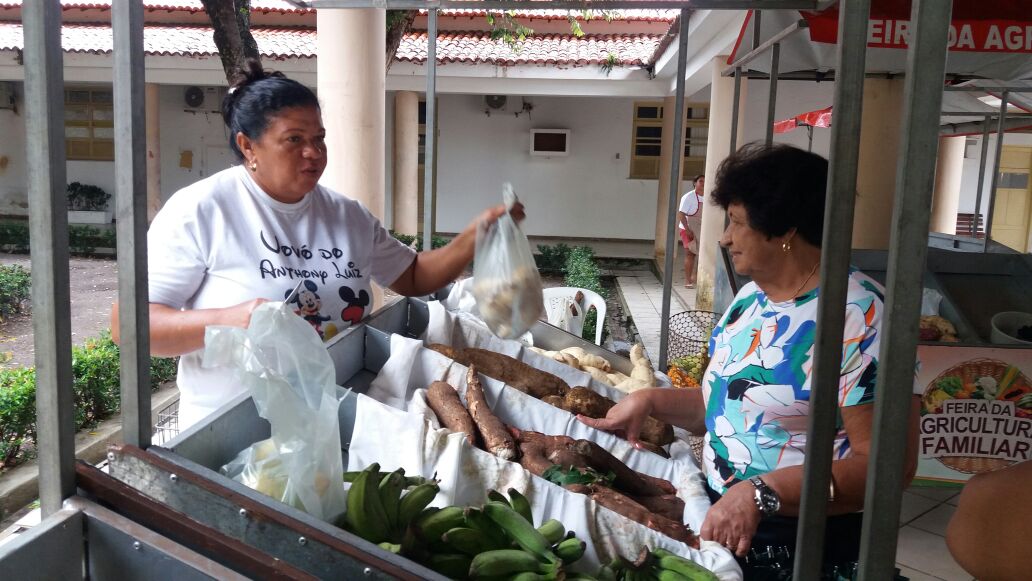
(976, 410)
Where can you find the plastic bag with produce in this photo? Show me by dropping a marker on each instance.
(291, 378)
(506, 283)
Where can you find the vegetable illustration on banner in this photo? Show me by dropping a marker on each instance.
(976, 414)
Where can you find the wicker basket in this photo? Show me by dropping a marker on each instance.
(968, 372)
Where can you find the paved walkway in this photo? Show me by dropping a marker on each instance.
(642, 293)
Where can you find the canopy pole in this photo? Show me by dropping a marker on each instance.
(675, 188)
(1001, 129)
(131, 223)
(834, 282)
(735, 110)
(431, 129)
(908, 249)
(772, 100)
(48, 230)
(981, 181)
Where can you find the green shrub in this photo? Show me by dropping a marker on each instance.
(86, 197)
(15, 286)
(435, 240)
(552, 259)
(14, 238)
(95, 386)
(583, 272)
(17, 413)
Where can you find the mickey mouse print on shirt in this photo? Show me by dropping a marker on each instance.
(308, 304)
(356, 305)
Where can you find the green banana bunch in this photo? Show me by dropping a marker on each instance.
(553, 530)
(410, 481)
(417, 499)
(495, 496)
(509, 562)
(365, 513)
(684, 568)
(451, 565)
(570, 550)
(493, 536)
(390, 490)
(431, 527)
(520, 504)
(466, 540)
(520, 530)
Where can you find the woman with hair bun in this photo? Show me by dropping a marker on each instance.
(249, 234)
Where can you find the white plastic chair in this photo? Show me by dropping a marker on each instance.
(557, 298)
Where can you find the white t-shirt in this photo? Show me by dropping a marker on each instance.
(689, 206)
(223, 241)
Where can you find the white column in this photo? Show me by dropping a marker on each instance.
(876, 171)
(718, 145)
(406, 162)
(667, 150)
(153, 125)
(946, 196)
(351, 72)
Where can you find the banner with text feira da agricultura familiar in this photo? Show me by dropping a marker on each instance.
(976, 410)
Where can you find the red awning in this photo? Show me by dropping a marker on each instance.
(819, 118)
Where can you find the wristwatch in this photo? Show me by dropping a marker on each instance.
(767, 501)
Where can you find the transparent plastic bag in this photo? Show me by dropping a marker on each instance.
(290, 376)
(506, 283)
(930, 300)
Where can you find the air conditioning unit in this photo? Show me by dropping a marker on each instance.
(203, 99)
(495, 102)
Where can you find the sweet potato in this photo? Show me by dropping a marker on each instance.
(444, 400)
(497, 439)
(514, 372)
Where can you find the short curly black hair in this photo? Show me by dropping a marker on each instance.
(781, 187)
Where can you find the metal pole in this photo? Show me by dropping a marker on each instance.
(431, 128)
(735, 109)
(1000, 134)
(922, 99)
(772, 100)
(834, 282)
(131, 225)
(675, 186)
(981, 181)
(757, 16)
(48, 230)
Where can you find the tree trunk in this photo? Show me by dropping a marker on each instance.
(231, 20)
(398, 23)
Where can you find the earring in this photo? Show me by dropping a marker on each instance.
(786, 246)
(254, 165)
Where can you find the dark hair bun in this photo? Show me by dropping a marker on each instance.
(254, 95)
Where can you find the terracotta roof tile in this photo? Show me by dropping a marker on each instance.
(178, 5)
(452, 47)
(170, 40)
(554, 49)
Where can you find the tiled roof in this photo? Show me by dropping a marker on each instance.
(457, 47)
(629, 15)
(552, 49)
(178, 5)
(170, 40)
(282, 6)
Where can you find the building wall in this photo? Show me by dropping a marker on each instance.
(586, 194)
(194, 145)
(14, 199)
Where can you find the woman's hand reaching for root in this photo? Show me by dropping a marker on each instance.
(625, 418)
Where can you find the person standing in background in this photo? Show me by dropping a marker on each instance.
(689, 223)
